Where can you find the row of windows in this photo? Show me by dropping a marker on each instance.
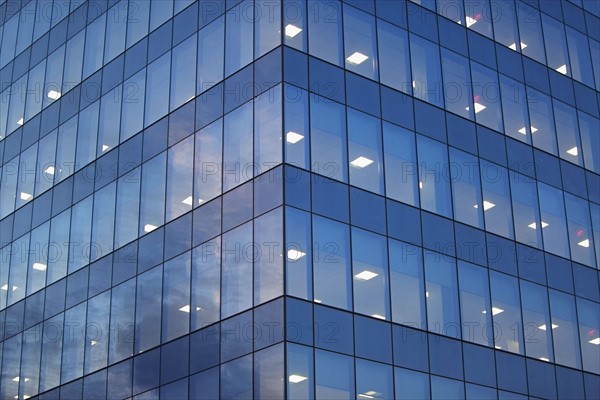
(219, 359)
(166, 83)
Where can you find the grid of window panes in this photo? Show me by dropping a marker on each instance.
(444, 199)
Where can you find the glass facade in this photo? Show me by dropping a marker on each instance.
(301, 199)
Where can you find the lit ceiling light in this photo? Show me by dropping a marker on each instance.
(149, 227)
(20, 121)
(365, 396)
(49, 170)
(533, 225)
(486, 205)
(584, 243)
(26, 196)
(295, 255)
(365, 275)
(470, 21)
(426, 294)
(495, 311)
(293, 137)
(292, 30)
(200, 201)
(361, 162)
(357, 58)
(498, 347)
(543, 327)
(198, 308)
(514, 46)
(523, 130)
(93, 342)
(414, 84)
(420, 185)
(562, 69)
(573, 151)
(105, 147)
(478, 107)
(297, 378)
(54, 95)
(5, 287)
(25, 397)
(544, 359)
(185, 308)
(39, 266)
(17, 379)
(188, 201)
(378, 316)
(317, 301)
(595, 341)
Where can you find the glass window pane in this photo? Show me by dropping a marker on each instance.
(536, 322)
(530, 27)
(407, 284)
(208, 162)
(157, 85)
(239, 33)
(566, 335)
(122, 315)
(486, 97)
(514, 106)
(103, 224)
(325, 30)
(401, 178)
(298, 253)
(444, 388)
(152, 198)
(496, 199)
(138, 16)
(94, 46)
(33, 105)
(370, 271)
(148, 309)
(296, 126)
(236, 277)
(176, 307)
(411, 385)
(475, 304)
(506, 312)
(364, 142)
(268, 129)
(373, 380)
(567, 130)
(579, 52)
(211, 49)
(556, 45)
(334, 376)
(65, 150)
(478, 15)
(268, 263)
(394, 58)
(115, 31)
(183, 73)
(528, 227)
(457, 83)
(294, 16)
(331, 263)
(132, 116)
(128, 206)
(110, 115)
(180, 179)
(267, 26)
(237, 153)
(359, 42)
(542, 119)
(268, 373)
(87, 135)
(434, 176)
(96, 340)
(466, 188)
(328, 138)
(51, 354)
(442, 294)
(589, 128)
(426, 70)
(206, 283)
(580, 230)
(300, 380)
(236, 378)
(553, 214)
(505, 24)
(73, 62)
(589, 334)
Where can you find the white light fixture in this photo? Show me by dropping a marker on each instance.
(361, 162)
(293, 137)
(297, 378)
(39, 266)
(185, 308)
(49, 170)
(595, 341)
(365, 275)
(20, 121)
(486, 205)
(379, 316)
(198, 308)
(584, 243)
(495, 311)
(5, 287)
(426, 294)
(295, 255)
(53, 95)
(420, 185)
(562, 69)
(149, 227)
(17, 379)
(26, 196)
(533, 225)
(188, 201)
(317, 301)
(573, 151)
(543, 327)
(93, 342)
(292, 30)
(357, 58)
(514, 46)
(478, 107)
(523, 130)
(498, 347)
(470, 21)
(365, 396)
(544, 359)
(200, 201)
(105, 147)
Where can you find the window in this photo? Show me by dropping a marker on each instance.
(407, 284)
(121, 315)
(442, 295)
(579, 52)
(589, 334)
(157, 86)
(466, 188)
(148, 309)
(206, 276)
(514, 106)
(268, 263)
(236, 378)
(364, 141)
(267, 26)
(268, 373)
(208, 162)
(434, 176)
(359, 42)
(183, 73)
(180, 179)
(87, 135)
(334, 375)
(298, 253)
(294, 15)
(300, 379)
(239, 37)
(110, 116)
(580, 230)
(566, 337)
(505, 25)
(556, 45)
(496, 199)
(457, 84)
(103, 224)
(567, 131)
(296, 126)
(411, 385)
(328, 138)
(373, 380)
(236, 275)
(542, 120)
(528, 227)
(394, 58)
(331, 263)
(486, 97)
(590, 141)
(132, 116)
(506, 312)
(211, 47)
(114, 43)
(94, 46)
(325, 30)
(96, 343)
(530, 28)
(267, 129)
(478, 16)
(237, 153)
(536, 322)
(426, 70)
(152, 197)
(553, 214)
(475, 304)
(370, 274)
(401, 176)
